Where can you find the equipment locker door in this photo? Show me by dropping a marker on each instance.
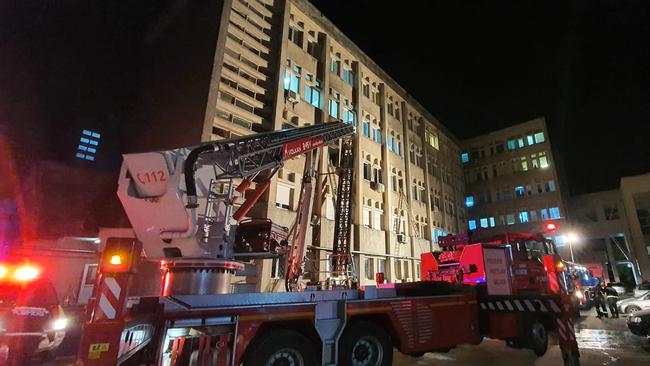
(87, 284)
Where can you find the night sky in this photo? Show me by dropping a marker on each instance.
(477, 66)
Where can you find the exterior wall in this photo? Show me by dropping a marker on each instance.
(270, 59)
(494, 170)
(636, 198)
(601, 227)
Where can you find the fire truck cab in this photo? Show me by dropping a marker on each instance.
(532, 264)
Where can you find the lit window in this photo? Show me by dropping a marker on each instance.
(87, 147)
(484, 222)
(510, 219)
(543, 213)
(283, 196)
(523, 216)
(530, 140)
(555, 212)
(511, 144)
(377, 136)
(312, 96)
(472, 224)
(520, 141)
(492, 222)
(469, 201)
(520, 191)
(464, 157)
(366, 128)
(334, 108)
(539, 137)
(550, 186)
(543, 163)
(390, 143)
(335, 66)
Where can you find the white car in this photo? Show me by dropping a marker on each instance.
(643, 288)
(619, 287)
(633, 304)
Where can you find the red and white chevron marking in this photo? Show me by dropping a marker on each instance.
(523, 305)
(109, 301)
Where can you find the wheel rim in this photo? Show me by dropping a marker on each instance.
(632, 309)
(367, 352)
(539, 334)
(286, 357)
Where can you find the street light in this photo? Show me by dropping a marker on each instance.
(571, 238)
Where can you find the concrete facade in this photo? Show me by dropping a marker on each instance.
(600, 225)
(512, 181)
(635, 192)
(280, 64)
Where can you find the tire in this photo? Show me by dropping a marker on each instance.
(365, 344)
(632, 309)
(282, 347)
(537, 338)
(571, 358)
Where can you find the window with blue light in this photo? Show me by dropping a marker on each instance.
(555, 212)
(291, 82)
(469, 201)
(333, 108)
(543, 213)
(484, 222)
(88, 143)
(520, 191)
(523, 216)
(366, 128)
(471, 224)
(390, 143)
(492, 222)
(464, 157)
(312, 96)
(377, 136)
(530, 139)
(511, 144)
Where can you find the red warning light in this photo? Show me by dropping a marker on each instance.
(551, 226)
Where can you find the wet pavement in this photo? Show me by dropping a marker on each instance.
(603, 342)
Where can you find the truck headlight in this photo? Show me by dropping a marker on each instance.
(59, 324)
(579, 294)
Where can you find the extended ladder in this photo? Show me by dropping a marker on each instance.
(341, 258)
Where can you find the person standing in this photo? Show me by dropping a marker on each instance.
(612, 298)
(600, 298)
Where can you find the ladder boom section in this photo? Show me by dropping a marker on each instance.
(180, 202)
(343, 216)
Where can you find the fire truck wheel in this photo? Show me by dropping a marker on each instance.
(282, 347)
(365, 344)
(537, 338)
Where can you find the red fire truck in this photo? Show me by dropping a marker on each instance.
(182, 219)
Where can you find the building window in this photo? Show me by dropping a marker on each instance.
(366, 217)
(543, 213)
(520, 191)
(377, 218)
(381, 265)
(464, 157)
(296, 36)
(283, 196)
(520, 142)
(368, 269)
(539, 137)
(291, 82)
(348, 76)
(530, 140)
(492, 222)
(88, 144)
(524, 164)
(555, 212)
(349, 116)
(471, 224)
(543, 162)
(366, 90)
(523, 216)
(484, 222)
(550, 186)
(510, 219)
(335, 66)
(366, 128)
(366, 171)
(312, 96)
(377, 135)
(611, 212)
(511, 144)
(431, 139)
(469, 201)
(333, 108)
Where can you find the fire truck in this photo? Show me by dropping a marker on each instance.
(188, 215)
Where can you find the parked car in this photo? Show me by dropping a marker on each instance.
(642, 289)
(31, 318)
(619, 287)
(634, 304)
(639, 323)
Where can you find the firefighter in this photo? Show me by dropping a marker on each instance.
(600, 299)
(612, 298)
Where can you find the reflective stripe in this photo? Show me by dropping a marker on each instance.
(106, 307)
(554, 306)
(518, 305)
(509, 305)
(529, 305)
(499, 305)
(113, 286)
(541, 306)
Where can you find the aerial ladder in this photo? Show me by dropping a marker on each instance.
(187, 211)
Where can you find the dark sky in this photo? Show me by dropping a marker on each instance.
(476, 65)
(484, 65)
